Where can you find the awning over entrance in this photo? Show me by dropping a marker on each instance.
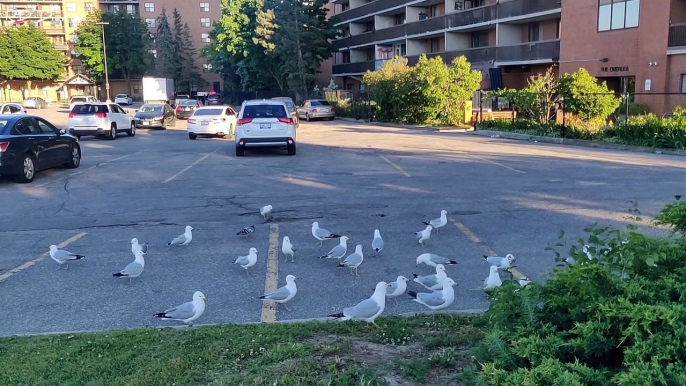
(78, 80)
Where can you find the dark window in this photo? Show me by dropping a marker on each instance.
(208, 112)
(86, 109)
(480, 39)
(45, 128)
(345, 57)
(188, 102)
(435, 45)
(229, 111)
(618, 14)
(683, 83)
(26, 127)
(534, 32)
(400, 19)
(213, 97)
(264, 111)
(320, 103)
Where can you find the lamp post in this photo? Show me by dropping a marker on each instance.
(104, 51)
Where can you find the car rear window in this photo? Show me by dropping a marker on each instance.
(86, 109)
(188, 102)
(122, 96)
(320, 103)
(264, 111)
(150, 109)
(213, 97)
(208, 112)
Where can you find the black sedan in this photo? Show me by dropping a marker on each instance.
(186, 108)
(155, 115)
(214, 99)
(30, 144)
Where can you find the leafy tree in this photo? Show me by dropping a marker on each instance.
(221, 62)
(185, 69)
(538, 100)
(127, 42)
(88, 45)
(585, 97)
(165, 48)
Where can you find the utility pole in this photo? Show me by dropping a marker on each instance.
(104, 51)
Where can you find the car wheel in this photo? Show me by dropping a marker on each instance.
(132, 131)
(291, 149)
(192, 136)
(113, 133)
(74, 158)
(240, 152)
(27, 169)
(307, 117)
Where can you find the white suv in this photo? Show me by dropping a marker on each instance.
(100, 119)
(123, 99)
(265, 123)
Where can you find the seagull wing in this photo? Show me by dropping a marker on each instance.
(364, 309)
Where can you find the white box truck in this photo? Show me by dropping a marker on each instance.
(157, 90)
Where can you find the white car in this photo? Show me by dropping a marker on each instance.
(100, 119)
(12, 109)
(212, 121)
(80, 99)
(123, 99)
(265, 123)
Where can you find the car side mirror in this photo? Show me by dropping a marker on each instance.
(62, 131)
(135, 111)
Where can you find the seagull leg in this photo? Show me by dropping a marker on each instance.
(246, 272)
(67, 264)
(356, 272)
(59, 266)
(320, 243)
(293, 258)
(396, 301)
(288, 308)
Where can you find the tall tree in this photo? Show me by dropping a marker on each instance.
(127, 40)
(88, 45)
(221, 62)
(186, 70)
(165, 48)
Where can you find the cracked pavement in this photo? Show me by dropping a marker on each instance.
(352, 178)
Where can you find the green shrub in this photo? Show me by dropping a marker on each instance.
(638, 109)
(674, 216)
(651, 131)
(585, 97)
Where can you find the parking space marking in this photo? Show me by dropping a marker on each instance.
(172, 178)
(395, 166)
(33, 262)
(516, 274)
(272, 280)
(449, 148)
(85, 170)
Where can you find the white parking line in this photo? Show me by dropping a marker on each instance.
(189, 166)
(85, 170)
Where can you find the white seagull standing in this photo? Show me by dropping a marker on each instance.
(493, 280)
(247, 261)
(436, 300)
(397, 288)
(138, 247)
(338, 251)
(322, 234)
(423, 235)
(265, 210)
(186, 312)
(368, 309)
(377, 242)
(500, 262)
(432, 282)
(438, 222)
(185, 238)
(432, 260)
(287, 248)
(134, 269)
(354, 260)
(63, 257)
(283, 294)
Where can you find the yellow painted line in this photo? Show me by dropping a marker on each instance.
(395, 166)
(189, 166)
(516, 274)
(85, 170)
(272, 280)
(33, 262)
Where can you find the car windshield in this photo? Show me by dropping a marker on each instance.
(208, 112)
(320, 103)
(150, 109)
(213, 97)
(78, 99)
(188, 103)
(89, 109)
(264, 111)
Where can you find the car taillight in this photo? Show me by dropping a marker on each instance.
(333, 109)
(4, 146)
(191, 121)
(223, 119)
(286, 120)
(179, 109)
(72, 115)
(101, 115)
(244, 121)
(314, 110)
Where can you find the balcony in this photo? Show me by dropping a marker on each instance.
(61, 46)
(534, 51)
(353, 68)
(472, 16)
(473, 55)
(677, 35)
(118, 1)
(432, 24)
(53, 30)
(518, 8)
(370, 8)
(27, 13)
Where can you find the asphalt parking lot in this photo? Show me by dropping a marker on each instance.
(503, 197)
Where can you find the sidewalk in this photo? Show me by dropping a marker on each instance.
(445, 129)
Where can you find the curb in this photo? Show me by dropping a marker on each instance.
(443, 129)
(577, 142)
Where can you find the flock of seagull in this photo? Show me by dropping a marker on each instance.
(442, 294)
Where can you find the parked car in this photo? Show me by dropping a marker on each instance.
(11, 108)
(316, 109)
(212, 121)
(81, 99)
(35, 103)
(214, 98)
(186, 108)
(123, 99)
(100, 119)
(292, 109)
(180, 98)
(154, 115)
(30, 144)
(265, 123)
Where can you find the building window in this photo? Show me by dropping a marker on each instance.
(57, 23)
(131, 9)
(683, 83)
(534, 32)
(368, 27)
(207, 67)
(434, 11)
(435, 45)
(55, 8)
(137, 88)
(618, 14)
(88, 7)
(205, 22)
(399, 19)
(205, 38)
(149, 7)
(345, 57)
(345, 7)
(204, 7)
(150, 23)
(71, 7)
(480, 39)
(114, 8)
(73, 22)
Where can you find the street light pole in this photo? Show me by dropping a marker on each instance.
(104, 51)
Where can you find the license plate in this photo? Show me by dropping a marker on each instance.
(146, 123)
(325, 110)
(265, 125)
(205, 123)
(187, 109)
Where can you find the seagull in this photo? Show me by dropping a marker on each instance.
(185, 238)
(500, 262)
(438, 222)
(63, 257)
(187, 312)
(569, 260)
(432, 260)
(283, 294)
(354, 260)
(138, 247)
(436, 300)
(265, 210)
(247, 261)
(493, 280)
(135, 268)
(432, 282)
(246, 231)
(525, 281)
(397, 288)
(287, 248)
(377, 243)
(368, 309)
(322, 234)
(338, 251)
(424, 235)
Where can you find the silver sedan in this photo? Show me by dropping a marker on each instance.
(316, 109)
(35, 103)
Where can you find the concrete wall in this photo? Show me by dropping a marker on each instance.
(415, 47)
(456, 41)
(509, 34)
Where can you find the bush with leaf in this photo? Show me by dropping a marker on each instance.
(652, 131)
(617, 316)
(537, 101)
(585, 97)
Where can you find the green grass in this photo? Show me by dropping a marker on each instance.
(403, 351)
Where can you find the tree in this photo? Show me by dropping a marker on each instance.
(537, 100)
(185, 68)
(221, 62)
(26, 53)
(88, 45)
(586, 98)
(165, 48)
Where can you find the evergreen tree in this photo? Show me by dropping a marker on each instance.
(165, 48)
(186, 69)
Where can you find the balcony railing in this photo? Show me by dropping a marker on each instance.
(437, 23)
(529, 51)
(369, 8)
(526, 7)
(354, 68)
(677, 35)
(473, 55)
(472, 16)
